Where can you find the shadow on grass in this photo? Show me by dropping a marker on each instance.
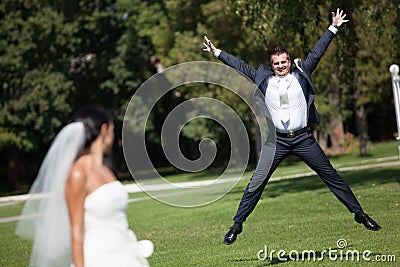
(268, 260)
(333, 254)
(374, 176)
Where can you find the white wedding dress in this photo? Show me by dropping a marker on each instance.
(108, 239)
(45, 220)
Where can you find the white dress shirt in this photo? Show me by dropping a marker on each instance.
(297, 103)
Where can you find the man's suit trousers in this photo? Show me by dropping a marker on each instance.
(305, 147)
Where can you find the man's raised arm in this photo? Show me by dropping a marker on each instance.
(230, 60)
(313, 58)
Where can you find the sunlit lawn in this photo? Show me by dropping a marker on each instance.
(297, 214)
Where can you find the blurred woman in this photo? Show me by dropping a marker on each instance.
(76, 212)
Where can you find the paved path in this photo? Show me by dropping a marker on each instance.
(133, 188)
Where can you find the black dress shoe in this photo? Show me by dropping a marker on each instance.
(231, 235)
(370, 224)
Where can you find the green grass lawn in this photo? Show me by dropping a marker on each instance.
(297, 214)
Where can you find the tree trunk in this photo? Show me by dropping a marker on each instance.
(13, 170)
(336, 123)
(322, 137)
(362, 128)
(337, 135)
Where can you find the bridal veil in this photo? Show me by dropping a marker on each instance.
(44, 218)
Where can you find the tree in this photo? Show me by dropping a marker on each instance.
(34, 47)
(374, 55)
(56, 56)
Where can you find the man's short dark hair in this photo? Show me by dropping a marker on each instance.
(277, 51)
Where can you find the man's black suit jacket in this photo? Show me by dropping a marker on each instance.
(261, 76)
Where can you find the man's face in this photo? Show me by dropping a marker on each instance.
(280, 64)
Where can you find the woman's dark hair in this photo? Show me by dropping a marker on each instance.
(92, 117)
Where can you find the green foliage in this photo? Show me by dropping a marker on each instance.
(35, 89)
(375, 51)
(37, 113)
(56, 56)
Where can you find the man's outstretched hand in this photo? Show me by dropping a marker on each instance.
(209, 47)
(338, 18)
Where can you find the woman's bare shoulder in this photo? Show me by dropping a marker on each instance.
(77, 174)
